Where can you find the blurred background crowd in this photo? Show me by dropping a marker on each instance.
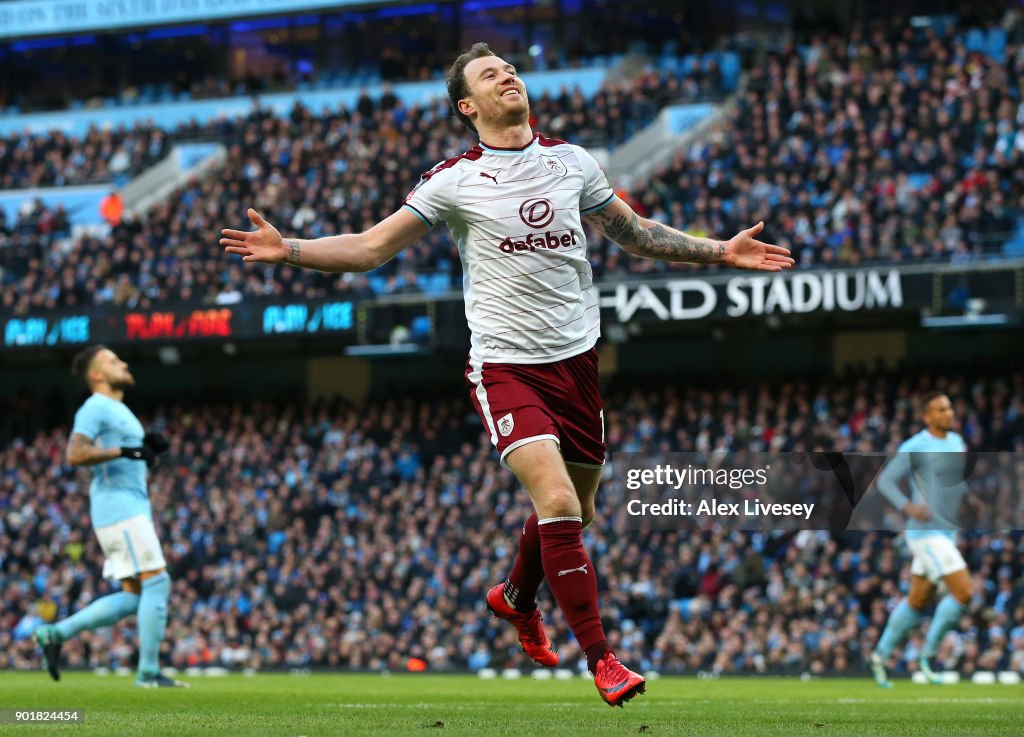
(890, 144)
(362, 536)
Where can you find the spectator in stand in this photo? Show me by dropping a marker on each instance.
(112, 208)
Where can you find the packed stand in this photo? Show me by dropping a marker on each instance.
(887, 145)
(104, 155)
(155, 84)
(55, 159)
(890, 144)
(358, 537)
(318, 173)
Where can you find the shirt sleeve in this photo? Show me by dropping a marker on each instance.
(430, 199)
(88, 421)
(596, 192)
(892, 473)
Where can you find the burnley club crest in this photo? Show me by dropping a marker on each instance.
(554, 165)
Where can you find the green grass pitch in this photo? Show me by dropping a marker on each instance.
(429, 705)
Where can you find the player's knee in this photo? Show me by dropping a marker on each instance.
(962, 593)
(919, 599)
(922, 602)
(559, 501)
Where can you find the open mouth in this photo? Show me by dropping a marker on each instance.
(512, 91)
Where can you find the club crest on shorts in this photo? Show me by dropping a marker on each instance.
(554, 165)
(505, 425)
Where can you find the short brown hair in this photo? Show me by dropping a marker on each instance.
(455, 79)
(80, 363)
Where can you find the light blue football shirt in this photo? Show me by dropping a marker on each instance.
(935, 467)
(118, 490)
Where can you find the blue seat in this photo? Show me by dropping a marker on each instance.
(439, 283)
(974, 40)
(1014, 248)
(730, 65)
(996, 44)
(421, 326)
(378, 284)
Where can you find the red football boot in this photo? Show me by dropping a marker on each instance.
(616, 683)
(532, 636)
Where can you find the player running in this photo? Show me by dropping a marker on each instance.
(934, 461)
(109, 437)
(515, 204)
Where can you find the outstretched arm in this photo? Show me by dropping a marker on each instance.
(337, 253)
(642, 237)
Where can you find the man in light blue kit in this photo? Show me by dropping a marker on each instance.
(934, 460)
(108, 437)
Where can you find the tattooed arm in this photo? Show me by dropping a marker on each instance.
(642, 237)
(81, 451)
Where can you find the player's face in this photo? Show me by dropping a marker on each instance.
(939, 414)
(496, 93)
(113, 370)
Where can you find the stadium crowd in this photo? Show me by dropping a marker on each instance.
(360, 537)
(892, 144)
(617, 111)
(56, 159)
(336, 171)
(885, 145)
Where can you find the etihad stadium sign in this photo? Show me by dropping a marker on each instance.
(758, 294)
(985, 293)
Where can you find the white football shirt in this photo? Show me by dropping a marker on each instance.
(515, 215)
